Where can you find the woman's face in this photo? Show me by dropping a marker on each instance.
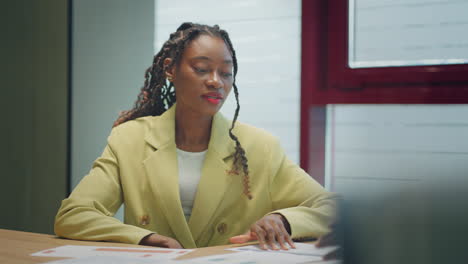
(204, 76)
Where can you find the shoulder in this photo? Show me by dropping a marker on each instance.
(263, 149)
(134, 126)
(132, 131)
(255, 137)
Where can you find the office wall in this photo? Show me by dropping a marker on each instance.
(266, 35)
(112, 47)
(34, 46)
(375, 149)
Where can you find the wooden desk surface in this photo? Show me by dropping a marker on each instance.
(16, 247)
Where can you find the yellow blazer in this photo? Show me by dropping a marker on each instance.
(139, 168)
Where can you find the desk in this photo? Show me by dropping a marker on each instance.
(16, 247)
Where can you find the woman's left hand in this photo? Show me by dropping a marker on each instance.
(269, 231)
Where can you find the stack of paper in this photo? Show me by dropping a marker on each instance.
(252, 257)
(301, 249)
(113, 254)
(106, 260)
(303, 253)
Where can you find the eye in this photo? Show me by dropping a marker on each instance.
(200, 70)
(226, 74)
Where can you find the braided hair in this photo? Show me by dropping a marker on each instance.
(157, 95)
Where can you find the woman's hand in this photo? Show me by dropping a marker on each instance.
(269, 230)
(156, 240)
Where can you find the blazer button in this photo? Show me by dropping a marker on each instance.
(144, 220)
(222, 228)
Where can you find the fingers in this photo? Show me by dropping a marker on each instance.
(271, 232)
(271, 236)
(260, 234)
(281, 239)
(174, 245)
(288, 237)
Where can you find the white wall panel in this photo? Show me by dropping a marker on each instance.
(399, 165)
(401, 128)
(381, 148)
(207, 11)
(362, 188)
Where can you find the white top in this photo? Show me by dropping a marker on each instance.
(190, 166)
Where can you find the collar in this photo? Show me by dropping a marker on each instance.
(162, 133)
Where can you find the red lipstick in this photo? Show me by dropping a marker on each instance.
(213, 97)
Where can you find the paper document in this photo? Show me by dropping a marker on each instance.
(301, 249)
(107, 260)
(253, 257)
(86, 251)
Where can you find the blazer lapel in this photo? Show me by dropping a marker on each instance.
(215, 179)
(162, 172)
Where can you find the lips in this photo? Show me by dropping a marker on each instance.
(214, 98)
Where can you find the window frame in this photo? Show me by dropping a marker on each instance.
(326, 78)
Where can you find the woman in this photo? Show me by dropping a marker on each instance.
(189, 177)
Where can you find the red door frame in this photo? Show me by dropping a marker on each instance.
(313, 78)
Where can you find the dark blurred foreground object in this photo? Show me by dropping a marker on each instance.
(427, 225)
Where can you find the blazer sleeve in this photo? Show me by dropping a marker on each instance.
(307, 206)
(87, 214)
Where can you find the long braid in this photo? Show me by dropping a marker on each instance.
(240, 160)
(157, 95)
(239, 156)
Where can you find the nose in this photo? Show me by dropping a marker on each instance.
(214, 81)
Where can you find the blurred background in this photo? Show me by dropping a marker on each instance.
(370, 97)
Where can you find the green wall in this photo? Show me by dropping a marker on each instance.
(34, 72)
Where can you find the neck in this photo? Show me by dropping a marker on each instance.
(193, 130)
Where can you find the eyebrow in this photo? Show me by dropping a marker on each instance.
(208, 59)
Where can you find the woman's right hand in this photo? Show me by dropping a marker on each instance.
(156, 240)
